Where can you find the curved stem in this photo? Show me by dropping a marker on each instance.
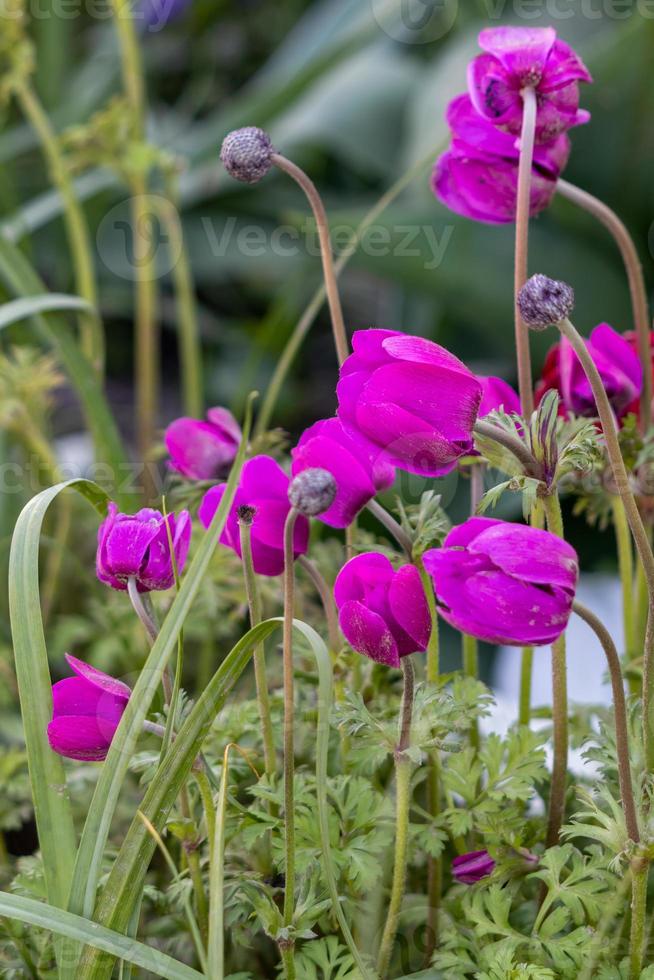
(260, 676)
(620, 711)
(559, 703)
(327, 600)
(403, 770)
(140, 609)
(75, 222)
(634, 270)
(289, 744)
(322, 224)
(626, 568)
(489, 431)
(523, 208)
(392, 526)
(638, 530)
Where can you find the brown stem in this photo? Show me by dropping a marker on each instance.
(621, 478)
(322, 224)
(620, 711)
(289, 743)
(634, 270)
(523, 208)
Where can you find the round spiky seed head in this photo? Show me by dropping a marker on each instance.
(312, 491)
(544, 301)
(245, 514)
(247, 154)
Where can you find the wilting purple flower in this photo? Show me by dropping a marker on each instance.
(264, 488)
(519, 57)
(87, 710)
(203, 450)
(383, 613)
(504, 583)
(410, 398)
(496, 395)
(470, 868)
(359, 468)
(615, 359)
(478, 176)
(137, 545)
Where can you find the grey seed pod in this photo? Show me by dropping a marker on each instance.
(312, 491)
(245, 514)
(247, 154)
(544, 301)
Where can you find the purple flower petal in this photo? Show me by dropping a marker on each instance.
(368, 634)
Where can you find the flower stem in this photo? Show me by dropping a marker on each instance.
(327, 600)
(637, 289)
(470, 650)
(490, 431)
(261, 680)
(403, 769)
(392, 526)
(322, 224)
(288, 950)
(626, 567)
(640, 536)
(146, 326)
(526, 670)
(75, 222)
(523, 208)
(640, 869)
(620, 711)
(559, 703)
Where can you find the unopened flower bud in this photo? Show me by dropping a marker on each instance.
(245, 514)
(544, 301)
(312, 491)
(247, 154)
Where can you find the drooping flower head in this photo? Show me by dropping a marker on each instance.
(515, 58)
(137, 545)
(359, 468)
(203, 450)
(478, 176)
(617, 362)
(87, 710)
(497, 395)
(504, 583)
(410, 398)
(470, 868)
(383, 613)
(263, 488)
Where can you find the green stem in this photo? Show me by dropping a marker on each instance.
(640, 869)
(288, 949)
(195, 871)
(470, 650)
(392, 526)
(190, 352)
(132, 68)
(208, 804)
(526, 670)
(327, 600)
(626, 568)
(75, 222)
(523, 208)
(403, 770)
(488, 430)
(260, 675)
(559, 703)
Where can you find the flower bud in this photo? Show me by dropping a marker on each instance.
(544, 301)
(312, 491)
(247, 154)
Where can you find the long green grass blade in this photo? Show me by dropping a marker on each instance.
(20, 279)
(51, 802)
(103, 805)
(62, 923)
(22, 309)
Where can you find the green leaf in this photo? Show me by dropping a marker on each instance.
(47, 776)
(28, 306)
(62, 923)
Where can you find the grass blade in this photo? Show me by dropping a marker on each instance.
(62, 923)
(21, 309)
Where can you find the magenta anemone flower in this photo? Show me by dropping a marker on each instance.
(410, 398)
(470, 868)
(617, 362)
(202, 450)
(519, 57)
(359, 468)
(497, 395)
(86, 712)
(478, 176)
(383, 613)
(263, 487)
(504, 583)
(137, 545)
